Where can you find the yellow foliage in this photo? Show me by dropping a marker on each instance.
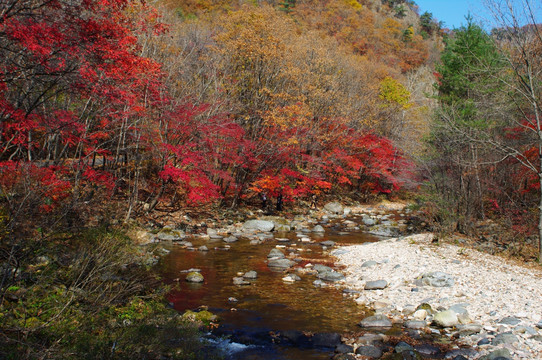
(354, 4)
(394, 92)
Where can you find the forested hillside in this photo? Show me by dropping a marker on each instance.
(203, 102)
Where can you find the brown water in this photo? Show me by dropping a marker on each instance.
(268, 304)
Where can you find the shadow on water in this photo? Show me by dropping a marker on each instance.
(268, 304)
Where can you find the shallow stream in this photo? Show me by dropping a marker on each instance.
(268, 305)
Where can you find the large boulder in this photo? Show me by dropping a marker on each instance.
(281, 224)
(259, 225)
(334, 207)
(168, 234)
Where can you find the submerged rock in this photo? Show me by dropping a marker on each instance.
(330, 340)
(376, 321)
(276, 253)
(230, 239)
(251, 275)
(240, 281)
(281, 264)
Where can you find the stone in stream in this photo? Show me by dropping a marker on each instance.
(334, 207)
(376, 285)
(376, 321)
(240, 281)
(260, 225)
(291, 278)
(446, 319)
(194, 277)
(281, 224)
(276, 253)
(318, 283)
(295, 337)
(250, 274)
(280, 264)
(328, 340)
(230, 239)
(437, 279)
(415, 325)
(368, 221)
(539, 324)
(203, 248)
(282, 228)
(370, 339)
(402, 346)
(322, 268)
(318, 229)
(344, 349)
(343, 357)
(330, 275)
(328, 243)
(369, 351)
(428, 351)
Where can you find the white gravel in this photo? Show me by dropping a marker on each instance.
(489, 287)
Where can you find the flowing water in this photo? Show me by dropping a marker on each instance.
(268, 304)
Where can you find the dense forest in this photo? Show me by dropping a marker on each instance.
(115, 110)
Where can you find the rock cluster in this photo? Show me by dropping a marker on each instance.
(484, 302)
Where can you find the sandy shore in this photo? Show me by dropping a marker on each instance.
(490, 288)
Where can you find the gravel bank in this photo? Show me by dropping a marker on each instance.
(490, 288)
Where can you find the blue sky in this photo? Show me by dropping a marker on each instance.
(453, 12)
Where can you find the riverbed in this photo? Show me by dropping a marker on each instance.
(268, 305)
